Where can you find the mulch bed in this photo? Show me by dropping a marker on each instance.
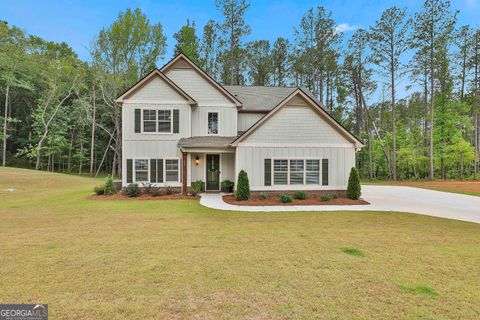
(143, 196)
(273, 200)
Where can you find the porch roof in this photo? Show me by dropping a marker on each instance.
(206, 142)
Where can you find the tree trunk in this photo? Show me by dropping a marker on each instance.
(92, 141)
(69, 161)
(394, 126)
(4, 149)
(432, 107)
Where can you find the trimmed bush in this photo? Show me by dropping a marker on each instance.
(99, 190)
(243, 187)
(199, 185)
(326, 197)
(285, 198)
(109, 187)
(300, 195)
(132, 190)
(353, 189)
(227, 186)
(263, 195)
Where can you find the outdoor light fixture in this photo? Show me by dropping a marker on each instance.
(197, 160)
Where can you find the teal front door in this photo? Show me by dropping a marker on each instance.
(213, 172)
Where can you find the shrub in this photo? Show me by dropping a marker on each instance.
(263, 195)
(199, 185)
(227, 186)
(148, 188)
(169, 190)
(284, 198)
(109, 187)
(243, 186)
(353, 188)
(132, 190)
(155, 192)
(99, 190)
(300, 195)
(326, 197)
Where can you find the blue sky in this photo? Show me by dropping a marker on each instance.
(78, 22)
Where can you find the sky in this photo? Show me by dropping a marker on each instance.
(78, 22)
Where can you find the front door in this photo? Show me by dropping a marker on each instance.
(213, 172)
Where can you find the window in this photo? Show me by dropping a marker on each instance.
(296, 171)
(312, 171)
(280, 172)
(213, 123)
(164, 121)
(171, 170)
(141, 170)
(149, 119)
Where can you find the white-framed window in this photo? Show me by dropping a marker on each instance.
(280, 172)
(149, 120)
(172, 167)
(157, 121)
(296, 171)
(141, 170)
(299, 171)
(312, 171)
(165, 121)
(212, 122)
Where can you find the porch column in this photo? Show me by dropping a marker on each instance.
(185, 173)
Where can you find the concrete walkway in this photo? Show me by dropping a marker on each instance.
(381, 198)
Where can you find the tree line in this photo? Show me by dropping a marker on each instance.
(59, 112)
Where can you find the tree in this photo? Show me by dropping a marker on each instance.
(280, 57)
(234, 29)
(433, 26)
(14, 67)
(124, 52)
(259, 62)
(187, 42)
(243, 186)
(388, 42)
(209, 48)
(354, 190)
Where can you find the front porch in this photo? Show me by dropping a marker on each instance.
(210, 159)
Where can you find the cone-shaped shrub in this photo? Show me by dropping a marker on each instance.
(243, 186)
(354, 190)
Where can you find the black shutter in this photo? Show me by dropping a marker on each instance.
(153, 170)
(129, 170)
(137, 120)
(160, 170)
(176, 121)
(268, 172)
(324, 172)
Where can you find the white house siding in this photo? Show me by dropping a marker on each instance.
(251, 159)
(246, 120)
(296, 124)
(155, 95)
(227, 120)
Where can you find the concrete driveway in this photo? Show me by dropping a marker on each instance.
(382, 198)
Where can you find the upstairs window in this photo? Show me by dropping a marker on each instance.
(213, 123)
(157, 121)
(149, 120)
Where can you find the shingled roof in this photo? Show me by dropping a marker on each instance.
(261, 98)
(206, 142)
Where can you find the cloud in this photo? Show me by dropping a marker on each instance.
(342, 27)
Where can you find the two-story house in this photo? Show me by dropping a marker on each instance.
(179, 125)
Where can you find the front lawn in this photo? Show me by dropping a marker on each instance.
(455, 186)
(176, 259)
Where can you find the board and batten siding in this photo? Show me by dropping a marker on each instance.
(295, 131)
(227, 121)
(157, 95)
(246, 120)
(251, 159)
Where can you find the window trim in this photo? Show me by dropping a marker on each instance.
(134, 180)
(142, 131)
(273, 184)
(218, 123)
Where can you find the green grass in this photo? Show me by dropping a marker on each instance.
(353, 251)
(420, 289)
(176, 259)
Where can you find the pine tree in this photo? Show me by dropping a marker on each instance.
(187, 42)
